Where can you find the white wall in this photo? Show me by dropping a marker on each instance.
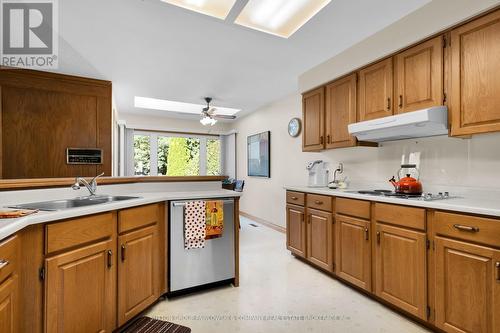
(446, 163)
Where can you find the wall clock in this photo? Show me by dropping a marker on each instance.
(294, 127)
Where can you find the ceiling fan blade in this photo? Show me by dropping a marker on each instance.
(222, 116)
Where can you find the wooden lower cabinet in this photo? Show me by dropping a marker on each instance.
(80, 289)
(467, 293)
(9, 305)
(320, 239)
(353, 250)
(138, 285)
(400, 268)
(296, 230)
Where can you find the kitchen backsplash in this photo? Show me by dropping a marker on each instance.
(444, 162)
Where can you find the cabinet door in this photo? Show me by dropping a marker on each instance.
(138, 285)
(467, 287)
(9, 306)
(419, 76)
(320, 239)
(340, 112)
(400, 268)
(375, 91)
(353, 250)
(475, 83)
(313, 113)
(296, 230)
(80, 290)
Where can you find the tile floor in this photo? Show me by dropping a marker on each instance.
(278, 293)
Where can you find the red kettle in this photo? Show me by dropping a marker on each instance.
(407, 184)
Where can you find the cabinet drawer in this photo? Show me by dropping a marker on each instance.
(350, 207)
(9, 256)
(63, 235)
(322, 202)
(133, 218)
(296, 198)
(400, 215)
(472, 228)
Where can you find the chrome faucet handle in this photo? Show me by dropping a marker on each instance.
(76, 185)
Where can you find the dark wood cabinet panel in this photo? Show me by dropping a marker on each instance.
(419, 76)
(313, 117)
(320, 238)
(296, 230)
(353, 251)
(467, 287)
(400, 268)
(42, 114)
(340, 111)
(475, 83)
(376, 91)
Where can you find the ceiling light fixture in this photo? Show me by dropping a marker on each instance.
(208, 121)
(215, 8)
(279, 17)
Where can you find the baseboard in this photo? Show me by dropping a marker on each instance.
(264, 222)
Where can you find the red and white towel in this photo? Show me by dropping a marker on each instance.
(194, 225)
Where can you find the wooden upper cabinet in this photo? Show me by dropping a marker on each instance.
(340, 111)
(375, 91)
(400, 268)
(296, 230)
(353, 250)
(138, 285)
(313, 114)
(80, 290)
(320, 239)
(467, 287)
(475, 83)
(419, 76)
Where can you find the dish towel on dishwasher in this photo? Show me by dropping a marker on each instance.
(194, 225)
(214, 219)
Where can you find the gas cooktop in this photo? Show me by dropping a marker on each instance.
(387, 193)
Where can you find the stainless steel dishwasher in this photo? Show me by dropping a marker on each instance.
(195, 268)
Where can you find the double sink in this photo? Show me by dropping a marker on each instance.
(73, 203)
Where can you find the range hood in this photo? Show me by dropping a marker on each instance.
(417, 124)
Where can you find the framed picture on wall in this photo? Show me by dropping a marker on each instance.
(259, 155)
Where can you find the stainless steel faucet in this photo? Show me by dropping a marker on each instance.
(91, 186)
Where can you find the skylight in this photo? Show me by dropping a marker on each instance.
(216, 8)
(279, 17)
(181, 107)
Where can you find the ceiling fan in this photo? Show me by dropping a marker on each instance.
(209, 116)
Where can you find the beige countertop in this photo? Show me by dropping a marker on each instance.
(488, 203)
(11, 226)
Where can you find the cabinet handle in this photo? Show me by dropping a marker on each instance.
(123, 252)
(3, 263)
(321, 140)
(328, 138)
(465, 228)
(317, 202)
(294, 198)
(110, 258)
(367, 234)
(497, 265)
(400, 101)
(388, 103)
(378, 237)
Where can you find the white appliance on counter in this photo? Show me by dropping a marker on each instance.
(194, 268)
(417, 124)
(318, 174)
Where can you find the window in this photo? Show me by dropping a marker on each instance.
(171, 154)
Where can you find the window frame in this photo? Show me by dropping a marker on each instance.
(153, 146)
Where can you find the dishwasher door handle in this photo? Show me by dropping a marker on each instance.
(182, 204)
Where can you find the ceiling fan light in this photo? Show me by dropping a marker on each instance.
(205, 121)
